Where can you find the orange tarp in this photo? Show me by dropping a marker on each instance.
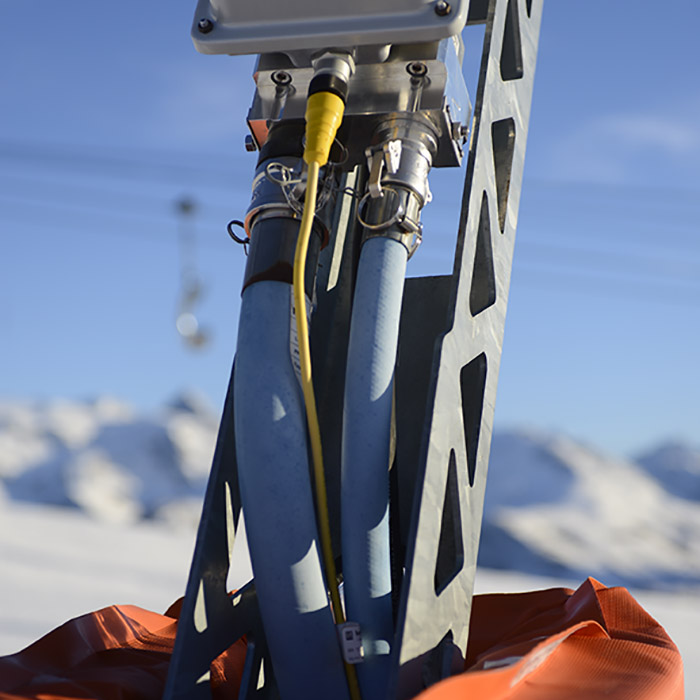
(558, 644)
(545, 645)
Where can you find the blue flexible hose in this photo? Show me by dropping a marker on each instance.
(372, 350)
(273, 465)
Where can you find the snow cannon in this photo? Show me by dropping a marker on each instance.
(357, 425)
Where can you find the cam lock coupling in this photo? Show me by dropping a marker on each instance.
(387, 155)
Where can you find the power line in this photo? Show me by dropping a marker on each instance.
(42, 189)
(112, 228)
(600, 257)
(538, 277)
(123, 164)
(155, 161)
(626, 263)
(609, 287)
(636, 226)
(641, 190)
(89, 206)
(90, 193)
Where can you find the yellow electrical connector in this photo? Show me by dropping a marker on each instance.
(324, 113)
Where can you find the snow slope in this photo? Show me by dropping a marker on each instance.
(553, 506)
(676, 467)
(556, 507)
(60, 563)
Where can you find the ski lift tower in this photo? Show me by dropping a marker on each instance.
(396, 65)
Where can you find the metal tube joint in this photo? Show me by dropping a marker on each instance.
(274, 214)
(397, 190)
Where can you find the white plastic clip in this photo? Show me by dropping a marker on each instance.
(351, 642)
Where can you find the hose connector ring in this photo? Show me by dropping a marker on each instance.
(396, 218)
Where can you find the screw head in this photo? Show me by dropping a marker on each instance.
(442, 8)
(281, 77)
(205, 25)
(417, 68)
(459, 132)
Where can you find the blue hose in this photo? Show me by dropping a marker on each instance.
(372, 349)
(273, 465)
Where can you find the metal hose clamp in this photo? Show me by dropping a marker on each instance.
(396, 218)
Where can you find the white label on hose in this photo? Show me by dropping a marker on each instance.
(294, 335)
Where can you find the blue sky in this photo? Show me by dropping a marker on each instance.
(108, 117)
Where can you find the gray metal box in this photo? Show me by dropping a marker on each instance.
(262, 26)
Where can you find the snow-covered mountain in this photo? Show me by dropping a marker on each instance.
(676, 467)
(556, 507)
(553, 506)
(101, 457)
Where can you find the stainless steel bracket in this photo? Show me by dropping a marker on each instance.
(448, 362)
(424, 78)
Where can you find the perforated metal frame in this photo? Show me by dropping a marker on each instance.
(447, 465)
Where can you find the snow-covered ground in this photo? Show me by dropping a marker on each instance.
(58, 564)
(99, 506)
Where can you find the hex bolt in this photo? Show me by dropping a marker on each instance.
(205, 25)
(442, 8)
(459, 132)
(417, 69)
(281, 77)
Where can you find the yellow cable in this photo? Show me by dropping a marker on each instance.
(323, 116)
(308, 388)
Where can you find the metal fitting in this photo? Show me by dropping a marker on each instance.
(281, 78)
(417, 69)
(204, 26)
(396, 215)
(418, 137)
(268, 199)
(398, 188)
(338, 63)
(272, 224)
(273, 217)
(442, 8)
(428, 81)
